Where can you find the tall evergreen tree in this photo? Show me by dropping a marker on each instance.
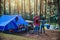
(45, 7)
(40, 8)
(35, 6)
(58, 3)
(18, 6)
(4, 7)
(9, 6)
(30, 9)
(0, 7)
(22, 8)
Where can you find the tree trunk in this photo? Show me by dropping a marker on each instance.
(45, 7)
(0, 7)
(58, 12)
(40, 8)
(15, 7)
(18, 6)
(30, 10)
(9, 6)
(35, 6)
(22, 8)
(4, 7)
(49, 3)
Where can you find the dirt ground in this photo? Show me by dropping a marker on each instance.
(49, 35)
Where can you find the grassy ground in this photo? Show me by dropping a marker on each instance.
(4, 36)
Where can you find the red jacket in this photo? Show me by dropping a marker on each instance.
(36, 20)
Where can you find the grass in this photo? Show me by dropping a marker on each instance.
(13, 37)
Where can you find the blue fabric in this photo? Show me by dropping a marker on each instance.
(47, 26)
(7, 22)
(5, 19)
(21, 21)
(1, 28)
(10, 26)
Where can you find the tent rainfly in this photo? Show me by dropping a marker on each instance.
(8, 22)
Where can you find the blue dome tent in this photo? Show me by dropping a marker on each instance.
(21, 21)
(8, 22)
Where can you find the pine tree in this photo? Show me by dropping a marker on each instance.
(4, 7)
(58, 3)
(9, 6)
(0, 7)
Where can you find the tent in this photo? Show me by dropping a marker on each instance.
(7, 22)
(47, 26)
